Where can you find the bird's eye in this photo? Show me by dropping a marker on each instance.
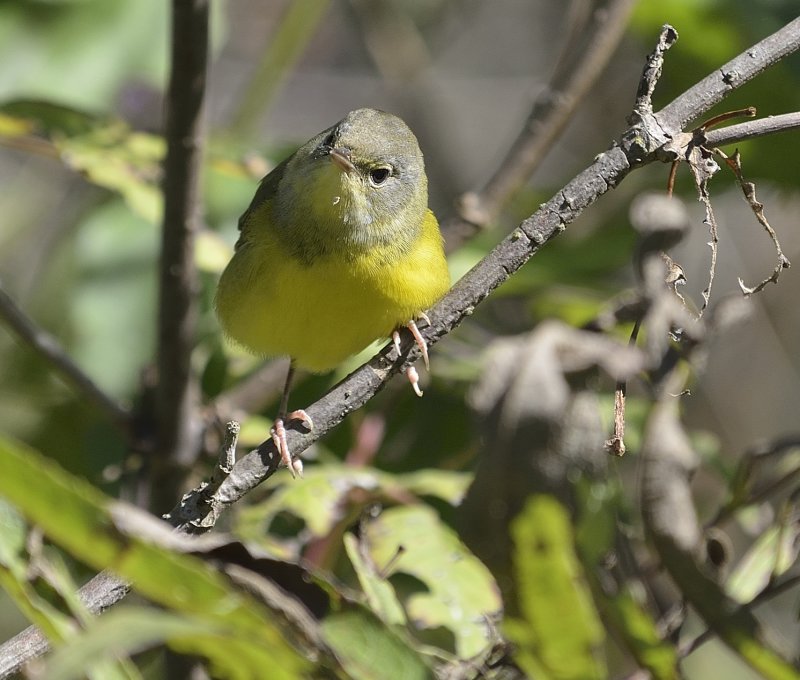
(378, 176)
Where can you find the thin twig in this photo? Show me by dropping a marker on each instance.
(753, 128)
(761, 455)
(721, 82)
(552, 111)
(556, 105)
(734, 162)
(652, 72)
(777, 588)
(714, 121)
(54, 354)
(198, 503)
(616, 444)
(701, 173)
(176, 395)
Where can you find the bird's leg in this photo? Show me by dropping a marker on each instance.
(278, 430)
(411, 372)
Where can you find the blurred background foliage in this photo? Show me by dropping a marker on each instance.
(81, 110)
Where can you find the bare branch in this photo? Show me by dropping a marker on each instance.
(53, 353)
(753, 128)
(715, 87)
(554, 108)
(652, 71)
(703, 168)
(734, 162)
(638, 146)
(103, 591)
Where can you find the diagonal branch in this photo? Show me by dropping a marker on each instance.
(552, 111)
(716, 86)
(555, 107)
(51, 351)
(638, 146)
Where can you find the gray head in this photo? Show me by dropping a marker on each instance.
(358, 184)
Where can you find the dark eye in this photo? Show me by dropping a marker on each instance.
(378, 176)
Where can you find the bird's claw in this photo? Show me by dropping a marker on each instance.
(413, 378)
(411, 372)
(278, 433)
(423, 346)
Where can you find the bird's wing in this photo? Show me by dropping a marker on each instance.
(267, 189)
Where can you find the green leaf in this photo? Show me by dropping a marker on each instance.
(381, 597)
(116, 158)
(103, 533)
(13, 534)
(121, 632)
(317, 501)
(461, 592)
(449, 486)
(106, 151)
(368, 650)
(53, 623)
(772, 554)
(17, 581)
(320, 499)
(561, 634)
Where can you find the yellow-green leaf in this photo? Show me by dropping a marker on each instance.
(560, 631)
(461, 594)
(368, 650)
(102, 533)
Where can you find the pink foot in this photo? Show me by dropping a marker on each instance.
(278, 433)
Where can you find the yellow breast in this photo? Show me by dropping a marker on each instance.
(324, 311)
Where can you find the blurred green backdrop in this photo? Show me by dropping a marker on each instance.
(79, 212)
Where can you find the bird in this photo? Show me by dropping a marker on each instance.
(338, 248)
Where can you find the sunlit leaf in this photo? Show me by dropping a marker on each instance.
(116, 158)
(320, 501)
(15, 580)
(105, 151)
(449, 486)
(461, 595)
(560, 631)
(595, 536)
(774, 551)
(380, 595)
(102, 533)
(121, 632)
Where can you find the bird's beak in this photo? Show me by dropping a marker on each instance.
(340, 157)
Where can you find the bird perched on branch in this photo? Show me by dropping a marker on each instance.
(337, 249)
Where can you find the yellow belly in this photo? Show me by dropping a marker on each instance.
(325, 311)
